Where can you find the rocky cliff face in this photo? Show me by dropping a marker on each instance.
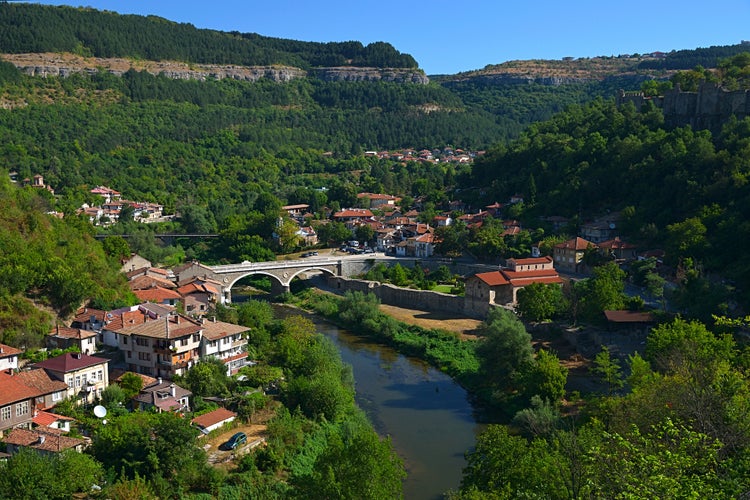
(352, 74)
(66, 64)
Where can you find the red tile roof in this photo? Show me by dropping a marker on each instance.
(164, 328)
(45, 418)
(7, 351)
(196, 287)
(214, 417)
(13, 389)
(575, 244)
(353, 213)
(65, 332)
(530, 261)
(127, 318)
(144, 282)
(84, 315)
(45, 440)
(213, 330)
(156, 294)
(40, 380)
(493, 278)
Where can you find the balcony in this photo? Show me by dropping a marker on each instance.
(163, 350)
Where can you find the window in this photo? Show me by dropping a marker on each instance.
(99, 375)
(6, 413)
(70, 382)
(57, 396)
(141, 342)
(144, 356)
(125, 340)
(78, 381)
(22, 408)
(83, 379)
(130, 354)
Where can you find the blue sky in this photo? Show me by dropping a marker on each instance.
(453, 36)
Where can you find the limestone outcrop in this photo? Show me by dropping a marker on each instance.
(63, 65)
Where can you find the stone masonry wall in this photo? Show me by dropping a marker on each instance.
(424, 300)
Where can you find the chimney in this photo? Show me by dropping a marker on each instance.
(173, 390)
(41, 439)
(159, 380)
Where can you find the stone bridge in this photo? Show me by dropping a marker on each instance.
(282, 272)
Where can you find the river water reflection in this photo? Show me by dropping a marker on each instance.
(426, 414)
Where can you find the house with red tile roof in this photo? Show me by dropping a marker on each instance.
(158, 295)
(63, 337)
(424, 245)
(9, 357)
(378, 200)
(214, 419)
(225, 341)
(86, 376)
(16, 401)
(45, 441)
(164, 347)
(106, 193)
(51, 390)
(199, 295)
(52, 420)
(146, 281)
(500, 288)
(568, 255)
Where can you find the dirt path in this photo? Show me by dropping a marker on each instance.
(426, 319)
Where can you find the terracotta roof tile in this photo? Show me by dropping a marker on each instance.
(7, 351)
(13, 388)
(164, 328)
(40, 380)
(493, 278)
(65, 332)
(44, 440)
(575, 244)
(213, 330)
(156, 294)
(214, 417)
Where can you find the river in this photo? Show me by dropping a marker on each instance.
(426, 414)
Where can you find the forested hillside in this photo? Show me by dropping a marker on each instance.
(85, 31)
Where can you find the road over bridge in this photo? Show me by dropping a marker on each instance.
(282, 272)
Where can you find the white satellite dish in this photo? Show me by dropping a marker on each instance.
(100, 411)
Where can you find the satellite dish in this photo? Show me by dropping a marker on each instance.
(611, 225)
(100, 411)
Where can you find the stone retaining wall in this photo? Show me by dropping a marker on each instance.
(423, 300)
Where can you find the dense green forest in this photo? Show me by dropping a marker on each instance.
(89, 32)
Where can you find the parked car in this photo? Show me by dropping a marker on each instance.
(235, 441)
